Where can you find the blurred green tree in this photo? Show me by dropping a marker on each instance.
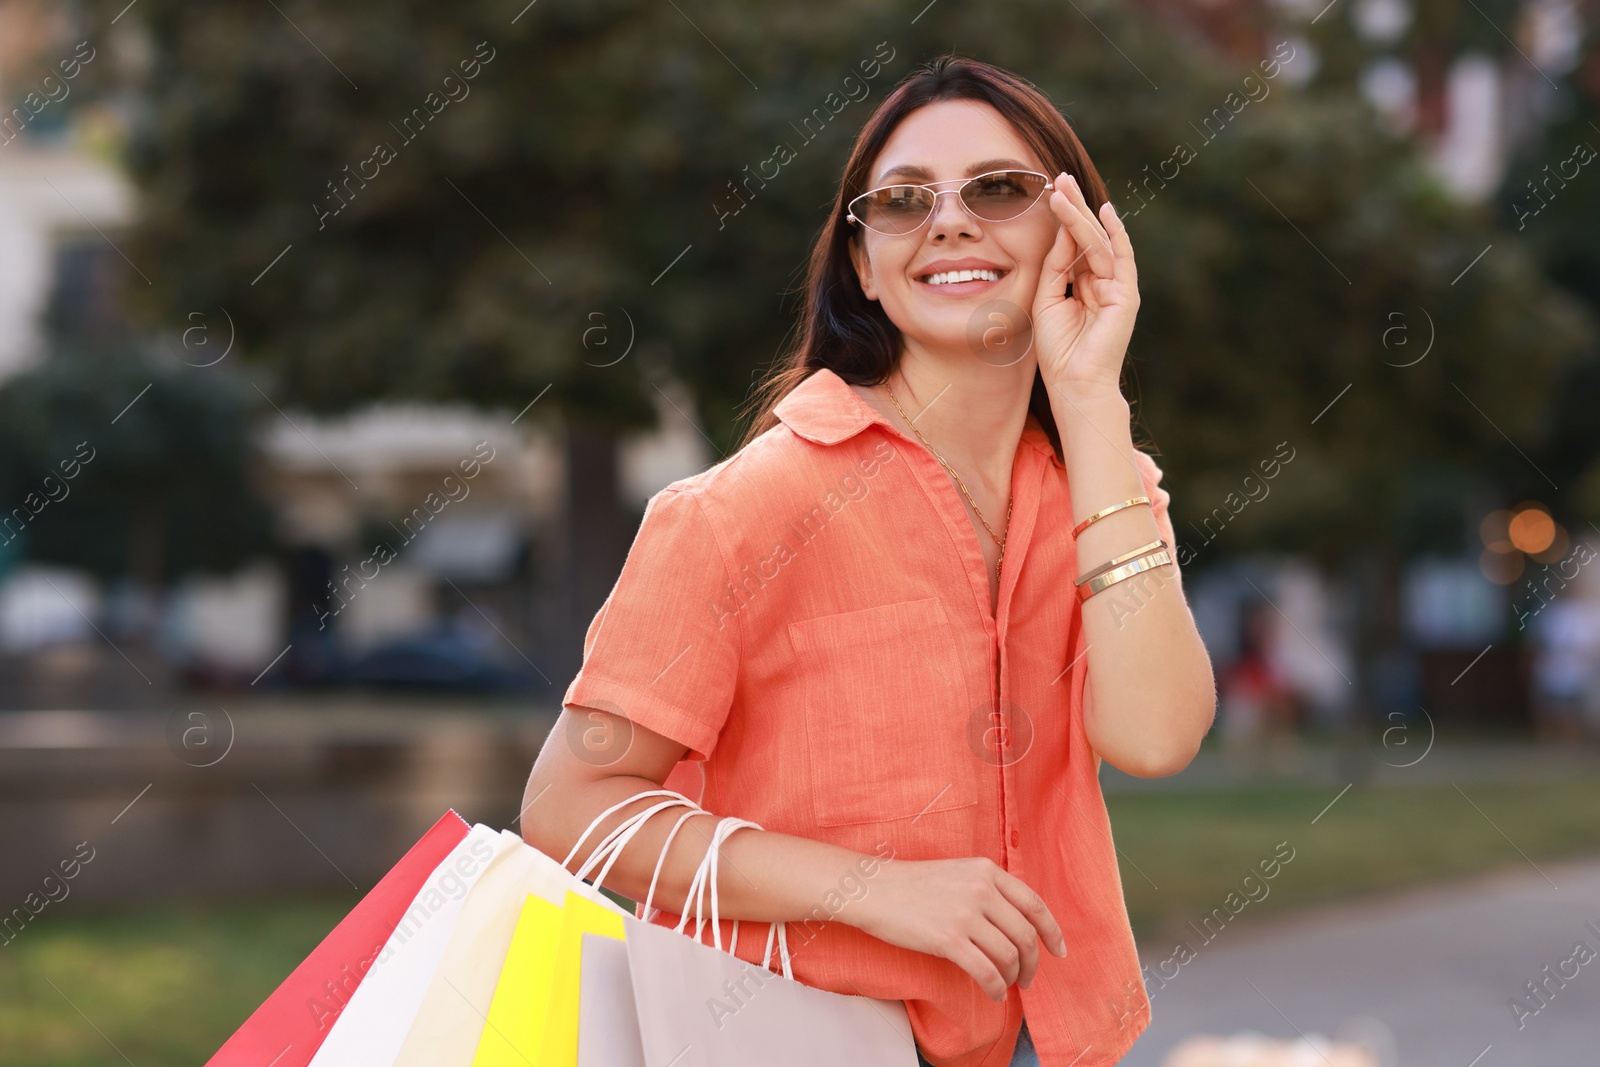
(128, 466)
(585, 169)
(1551, 201)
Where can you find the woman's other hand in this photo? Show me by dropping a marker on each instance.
(972, 912)
(1083, 338)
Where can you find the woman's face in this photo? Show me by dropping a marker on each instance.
(955, 139)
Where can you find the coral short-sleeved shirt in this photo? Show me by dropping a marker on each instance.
(811, 619)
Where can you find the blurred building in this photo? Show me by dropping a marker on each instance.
(1425, 67)
(399, 518)
(53, 199)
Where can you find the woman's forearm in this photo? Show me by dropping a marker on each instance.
(1152, 695)
(764, 875)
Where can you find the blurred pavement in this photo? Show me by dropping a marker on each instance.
(1436, 967)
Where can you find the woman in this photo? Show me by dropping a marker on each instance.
(862, 631)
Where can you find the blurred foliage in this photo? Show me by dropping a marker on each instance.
(125, 464)
(1551, 200)
(585, 168)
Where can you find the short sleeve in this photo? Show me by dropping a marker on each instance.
(1159, 498)
(663, 651)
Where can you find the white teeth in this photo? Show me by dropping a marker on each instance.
(951, 276)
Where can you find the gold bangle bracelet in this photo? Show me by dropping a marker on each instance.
(1103, 512)
(1127, 570)
(1120, 560)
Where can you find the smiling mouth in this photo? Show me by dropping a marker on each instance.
(956, 277)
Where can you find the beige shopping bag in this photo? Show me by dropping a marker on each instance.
(698, 1006)
(701, 1007)
(608, 1021)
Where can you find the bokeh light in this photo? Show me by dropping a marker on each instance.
(1495, 529)
(1532, 529)
(1501, 568)
(1558, 546)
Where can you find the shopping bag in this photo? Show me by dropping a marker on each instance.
(608, 1017)
(373, 1025)
(450, 1020)
(558, 1046)
(698, 1006)
(290, 1025)
(533, 1018)
(512, 1026)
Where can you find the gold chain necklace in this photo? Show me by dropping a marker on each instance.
(1001, 541)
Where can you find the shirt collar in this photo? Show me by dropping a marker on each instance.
(824, 409)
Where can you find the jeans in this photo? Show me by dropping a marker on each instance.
(1024, 1056)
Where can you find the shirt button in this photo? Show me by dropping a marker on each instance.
(1013, 839)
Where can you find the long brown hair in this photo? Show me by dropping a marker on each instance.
(840, 328)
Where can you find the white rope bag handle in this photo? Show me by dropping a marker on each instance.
(609, 850)
(706, 876)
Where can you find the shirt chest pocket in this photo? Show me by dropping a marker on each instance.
(886, 713)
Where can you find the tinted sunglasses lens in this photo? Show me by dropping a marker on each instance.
(1003, 195)
(897, 209)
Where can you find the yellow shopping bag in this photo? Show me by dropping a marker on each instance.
(512, 1030)
(578, 917)
(533, 1018)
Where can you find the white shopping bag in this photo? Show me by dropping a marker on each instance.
(370, 1029)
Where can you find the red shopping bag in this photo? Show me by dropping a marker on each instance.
(290, 1025)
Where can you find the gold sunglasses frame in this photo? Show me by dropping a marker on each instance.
(851, 216)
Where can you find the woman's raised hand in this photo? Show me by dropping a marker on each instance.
(972, 912)
(1081, 339)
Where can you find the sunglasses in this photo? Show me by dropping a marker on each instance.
(998, 196)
